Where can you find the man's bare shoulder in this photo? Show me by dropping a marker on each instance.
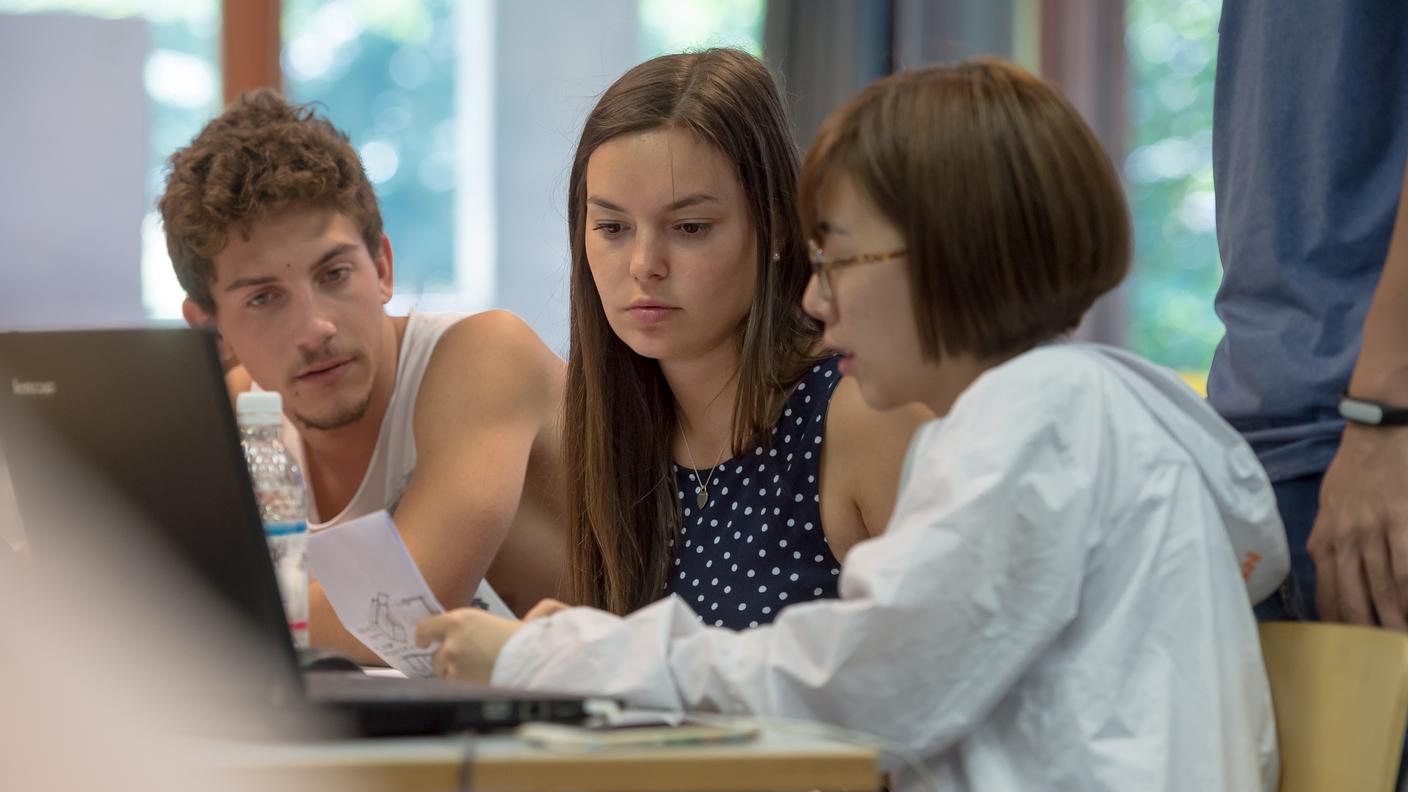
(497, 340)
(497, 329)
(492, 357)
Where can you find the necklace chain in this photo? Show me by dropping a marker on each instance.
(703, 499)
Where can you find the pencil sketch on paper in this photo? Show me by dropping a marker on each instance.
(391, 625)
(375, 588)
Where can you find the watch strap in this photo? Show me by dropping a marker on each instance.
(1372, 413)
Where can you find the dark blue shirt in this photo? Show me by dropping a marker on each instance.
(1310, 132)
(758, 545)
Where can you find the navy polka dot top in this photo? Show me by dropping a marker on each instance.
(757, 545)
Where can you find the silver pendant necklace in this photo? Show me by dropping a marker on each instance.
(702, 498)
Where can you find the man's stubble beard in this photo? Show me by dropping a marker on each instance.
(346, 417)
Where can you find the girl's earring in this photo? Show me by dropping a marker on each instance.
(776, 257)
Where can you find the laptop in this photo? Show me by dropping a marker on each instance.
(145, 413)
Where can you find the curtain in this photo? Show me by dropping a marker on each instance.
(825, 51)
(1083, 54)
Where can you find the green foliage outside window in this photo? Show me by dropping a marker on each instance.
(679, 25)
(1172, 56)
(384, 72)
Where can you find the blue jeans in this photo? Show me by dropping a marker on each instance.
(1298, 500)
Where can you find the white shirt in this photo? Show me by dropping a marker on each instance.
(1058, 602)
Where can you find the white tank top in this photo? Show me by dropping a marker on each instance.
(394, 458)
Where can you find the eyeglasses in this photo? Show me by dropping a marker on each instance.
(822, 266)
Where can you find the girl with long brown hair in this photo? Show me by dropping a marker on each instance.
(709, 450)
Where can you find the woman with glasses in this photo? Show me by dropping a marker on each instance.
(711, 452)
(1061, 600)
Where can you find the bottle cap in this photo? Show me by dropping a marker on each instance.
(259, 408)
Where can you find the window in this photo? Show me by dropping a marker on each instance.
(385, 73)
(466, 115)
(674, 26)
(1172, 56)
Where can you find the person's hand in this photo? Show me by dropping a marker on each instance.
(1360, 539)
(470, 642)
(545, 608)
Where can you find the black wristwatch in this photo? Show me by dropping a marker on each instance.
(1372, 413)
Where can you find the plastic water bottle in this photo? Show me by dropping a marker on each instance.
(282, 499)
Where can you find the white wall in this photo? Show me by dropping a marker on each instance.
(554, 58)
(73, 148)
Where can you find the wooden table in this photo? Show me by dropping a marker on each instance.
(504, 763)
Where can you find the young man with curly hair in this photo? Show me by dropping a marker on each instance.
(448, 421)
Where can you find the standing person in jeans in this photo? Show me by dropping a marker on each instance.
(1309, 146)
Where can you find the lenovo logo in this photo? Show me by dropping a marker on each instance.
(34, 389)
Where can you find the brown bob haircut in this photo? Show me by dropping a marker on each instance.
(258, 157)
(1013, 217)
(619, 412)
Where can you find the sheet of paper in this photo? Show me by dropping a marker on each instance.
(375, 588)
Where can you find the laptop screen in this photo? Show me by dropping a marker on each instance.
(139, 421)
